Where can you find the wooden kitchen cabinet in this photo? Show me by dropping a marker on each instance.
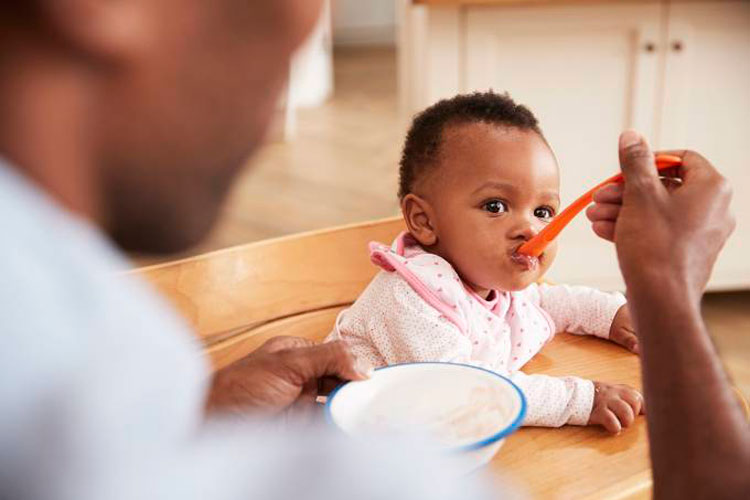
(678, 72)
(706, 107)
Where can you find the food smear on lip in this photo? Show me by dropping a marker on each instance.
(528, 262)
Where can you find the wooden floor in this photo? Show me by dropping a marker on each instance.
(342, 168)
(728, 319)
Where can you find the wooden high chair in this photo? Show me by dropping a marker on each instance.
(239, 297)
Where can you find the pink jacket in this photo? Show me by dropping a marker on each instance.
(418, 309)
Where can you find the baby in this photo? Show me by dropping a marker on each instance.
(478, 179)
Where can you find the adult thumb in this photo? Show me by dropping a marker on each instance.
(329, 359)
(637, 162)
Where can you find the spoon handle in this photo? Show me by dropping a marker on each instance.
(536, 245)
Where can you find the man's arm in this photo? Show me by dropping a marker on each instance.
(667, 242)
(700, 440)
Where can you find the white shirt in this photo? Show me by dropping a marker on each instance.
(102, 388)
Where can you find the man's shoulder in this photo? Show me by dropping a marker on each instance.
(62, 285)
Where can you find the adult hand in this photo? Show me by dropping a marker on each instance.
(664, 236)
(282, 372)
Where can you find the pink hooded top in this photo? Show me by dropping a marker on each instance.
(418, 309)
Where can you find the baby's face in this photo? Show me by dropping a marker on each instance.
(494, 189)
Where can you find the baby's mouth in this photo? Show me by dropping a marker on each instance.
(527, 262)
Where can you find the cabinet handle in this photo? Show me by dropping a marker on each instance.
(649, 47)
(677, 46)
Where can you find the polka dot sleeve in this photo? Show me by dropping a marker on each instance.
(555, 401)
(579, 309)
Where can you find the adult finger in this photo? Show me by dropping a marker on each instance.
(624, 412)
(603, 211)
(305, 408)
(309, 390)
(283, 342)
(696, 170)
(329, 359)
(638, 166)
(672, 152)
(604, 229)
(328, 384)
(610, 422)
(611, 193)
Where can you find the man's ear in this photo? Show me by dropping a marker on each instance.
(101, 29)
(419, 219)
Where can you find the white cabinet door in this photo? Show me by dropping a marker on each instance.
(587, 72)
(706, 107)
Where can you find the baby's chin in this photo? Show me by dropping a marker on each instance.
(521, 280)
(518, 281)
(516, 285)
(512, 283)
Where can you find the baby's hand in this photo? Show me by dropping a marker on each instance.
(622, 331)
(615, 406)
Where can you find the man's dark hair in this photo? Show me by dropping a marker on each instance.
(422, 145)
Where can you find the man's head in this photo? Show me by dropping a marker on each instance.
(181, 92)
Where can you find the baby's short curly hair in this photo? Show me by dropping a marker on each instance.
(422, 145)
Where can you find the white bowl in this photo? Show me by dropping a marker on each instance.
(467, 411)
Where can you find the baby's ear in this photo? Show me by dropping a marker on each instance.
(419, 219)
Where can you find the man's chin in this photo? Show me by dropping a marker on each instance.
(160, 237)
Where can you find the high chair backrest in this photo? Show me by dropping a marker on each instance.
(239, 297)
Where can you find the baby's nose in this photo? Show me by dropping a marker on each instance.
(525, 231)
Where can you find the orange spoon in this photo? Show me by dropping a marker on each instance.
(536, 245)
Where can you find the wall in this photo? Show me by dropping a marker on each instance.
(364, 22)
(311, 76)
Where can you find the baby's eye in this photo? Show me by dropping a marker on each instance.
(495, 206)
(544, 213)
